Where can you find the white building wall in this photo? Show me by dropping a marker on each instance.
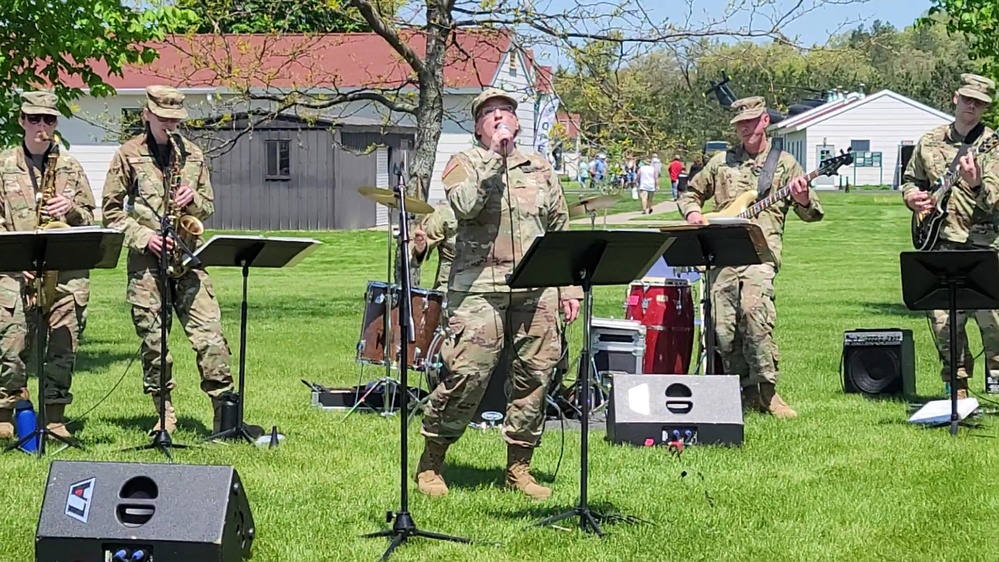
(886, 122)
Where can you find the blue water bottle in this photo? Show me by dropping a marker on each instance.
(24, 424)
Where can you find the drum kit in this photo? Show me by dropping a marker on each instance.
(380, 342)
(664, 305)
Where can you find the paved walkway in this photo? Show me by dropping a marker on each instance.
(625, 218)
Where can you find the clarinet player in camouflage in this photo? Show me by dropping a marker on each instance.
(22, 173)
(136, 173)
(971, 222)
(499, 212)
(742, 298)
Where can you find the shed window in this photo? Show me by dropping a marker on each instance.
(278, 160)
(860, 145)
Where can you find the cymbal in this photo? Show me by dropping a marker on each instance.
(597, 203)
(387, 197)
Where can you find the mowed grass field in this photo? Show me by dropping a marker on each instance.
(848, 480)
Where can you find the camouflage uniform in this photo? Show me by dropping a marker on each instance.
(742, 298)
(440, 227)
(485, 315)
(18, 300)
(971, 224)
(135, 167)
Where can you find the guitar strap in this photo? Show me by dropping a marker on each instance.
(966, 145)
(767, 173)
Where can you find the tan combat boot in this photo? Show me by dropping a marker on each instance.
(518, 473)
(962, 389)
(773, 403)
(751, 401)
(428, 473)
(55, 420)
(171, 415)
(6, 423)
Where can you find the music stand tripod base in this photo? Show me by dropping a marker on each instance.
(67, 249)
(587, 258)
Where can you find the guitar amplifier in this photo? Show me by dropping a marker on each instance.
(879, 362)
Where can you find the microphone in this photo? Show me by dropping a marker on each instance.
(503, 126)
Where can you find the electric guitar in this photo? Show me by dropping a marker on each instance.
(746, 206)
(926, 225)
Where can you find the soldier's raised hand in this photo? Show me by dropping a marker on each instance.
(970, 172)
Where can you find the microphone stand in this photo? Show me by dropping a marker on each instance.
(161, 438)
(404, 527)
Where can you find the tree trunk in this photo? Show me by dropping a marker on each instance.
(430, 111)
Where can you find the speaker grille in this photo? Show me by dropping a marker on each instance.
(874, 370)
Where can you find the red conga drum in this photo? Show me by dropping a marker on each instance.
(666, 308)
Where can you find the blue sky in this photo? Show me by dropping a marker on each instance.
(827, 17)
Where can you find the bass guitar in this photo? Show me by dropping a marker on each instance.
(926, 225)
(746, 206)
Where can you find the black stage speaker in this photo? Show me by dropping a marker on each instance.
(106, 512)
(658, 409)
(880, 361)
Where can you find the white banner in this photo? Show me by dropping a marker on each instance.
(546, 120)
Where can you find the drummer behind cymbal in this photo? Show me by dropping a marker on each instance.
(436, 230)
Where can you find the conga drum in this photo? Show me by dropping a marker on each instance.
(666, 308)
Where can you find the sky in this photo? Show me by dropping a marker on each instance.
(827, 16)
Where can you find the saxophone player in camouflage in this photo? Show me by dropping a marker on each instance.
(971, 222)
(742, 298)
(499, 211)
(22, 169)
(136, 178)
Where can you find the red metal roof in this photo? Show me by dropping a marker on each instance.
(344, 60)
(543, 80)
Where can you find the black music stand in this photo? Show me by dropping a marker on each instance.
(246, 252)
(951, 280)
(714, 245)
(63, 249)
(586, 258)
(403, 525)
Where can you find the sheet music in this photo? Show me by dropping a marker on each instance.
(729, 220)
(938, 411)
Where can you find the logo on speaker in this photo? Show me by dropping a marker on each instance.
(78, 500)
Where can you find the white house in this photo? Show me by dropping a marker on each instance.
(217, 72)
(876, 127)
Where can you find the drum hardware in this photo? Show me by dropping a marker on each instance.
(591, 205)
(366, 347)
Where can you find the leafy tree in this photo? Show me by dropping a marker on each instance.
(45, 43)
(287, 16)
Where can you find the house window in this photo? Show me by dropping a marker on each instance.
(860, 145)
(131, 123)
(513, 64)
(278, 160)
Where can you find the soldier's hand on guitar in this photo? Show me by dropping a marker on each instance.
(969, 170)
(799, 191)
(918, 200)
(695, 217)
(184, 196)
(28, 276)
(58, 206)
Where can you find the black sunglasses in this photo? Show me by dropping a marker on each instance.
(34, 119)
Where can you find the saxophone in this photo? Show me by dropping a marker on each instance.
(187, 227)
(46, 288)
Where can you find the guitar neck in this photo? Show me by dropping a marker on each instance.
(766, 202)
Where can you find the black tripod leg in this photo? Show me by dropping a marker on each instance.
(398, 540)
(557, 518)
(589, 523)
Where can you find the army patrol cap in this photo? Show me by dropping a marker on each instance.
(165, 102)
(748, 108)
(488, 94)
(40, 103)
(977, 87)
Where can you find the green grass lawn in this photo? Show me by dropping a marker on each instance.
(848, 480)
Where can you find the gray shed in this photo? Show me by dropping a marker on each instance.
(289, 173)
